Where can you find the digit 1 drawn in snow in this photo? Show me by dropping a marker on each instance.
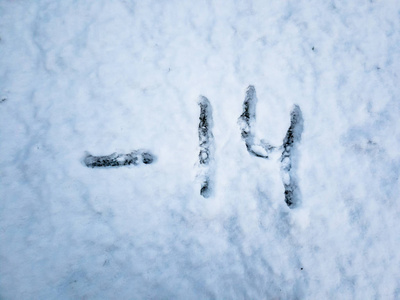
(262, 149)
(117, 160)
(206, 143)
(289, 157)
(246, 122)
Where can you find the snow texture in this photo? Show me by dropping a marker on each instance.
(113, 76)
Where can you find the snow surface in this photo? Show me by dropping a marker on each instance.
(118, 76)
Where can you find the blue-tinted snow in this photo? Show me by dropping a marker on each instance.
(115, 76)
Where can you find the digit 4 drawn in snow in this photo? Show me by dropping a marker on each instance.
(262, 149)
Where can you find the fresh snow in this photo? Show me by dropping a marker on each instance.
(120, 76)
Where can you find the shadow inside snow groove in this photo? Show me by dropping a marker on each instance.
(262, 149)
(246, 122)
(289, 157)
(206, 144)
(117, 160)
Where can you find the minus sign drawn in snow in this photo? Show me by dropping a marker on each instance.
(117, 160)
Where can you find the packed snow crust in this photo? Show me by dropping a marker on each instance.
(119, 76)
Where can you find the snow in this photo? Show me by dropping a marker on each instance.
(118, 76)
